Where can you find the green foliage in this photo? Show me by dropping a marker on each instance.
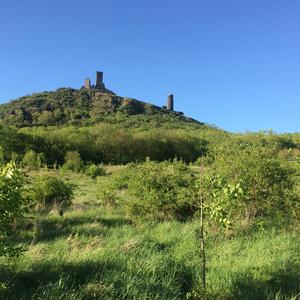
(97, 252)
(94, 171)
(33, 159)
(68, 105)
(46, 118)
(73, 161)
(117, 145)
(163, 191)
(103, 133)
(221, 198)
(268, 186)
(50, 193)
(13, 141)
(108, 197)
(13, 205)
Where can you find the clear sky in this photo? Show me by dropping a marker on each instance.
(231, 63)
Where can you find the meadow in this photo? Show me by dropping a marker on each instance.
(97, 251)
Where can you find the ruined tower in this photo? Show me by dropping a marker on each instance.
(87, 83)
(170, 102)
(98, 85)
(99, 80)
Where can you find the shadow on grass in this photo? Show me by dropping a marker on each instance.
(109, 279)
(51, 229)
(285, 282)
(24, 284)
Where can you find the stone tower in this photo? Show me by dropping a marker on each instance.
(87, 83)
(99, 80)
(170, 102)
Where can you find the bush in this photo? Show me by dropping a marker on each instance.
(94, 171)
(162, 191)
(13, 205)
(50, 193)
(268, 186)
(108, 198)
(33, 159)
(73, 161)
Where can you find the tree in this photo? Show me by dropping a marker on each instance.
(215, 198)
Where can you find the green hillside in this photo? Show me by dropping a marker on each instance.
(83, 106)
(100, 126)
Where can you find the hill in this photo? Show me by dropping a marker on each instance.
(79, 107)
(100, 125)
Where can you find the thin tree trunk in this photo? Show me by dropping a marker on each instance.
(202, 240)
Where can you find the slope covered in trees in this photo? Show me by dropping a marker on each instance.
(100, 126)
(66, 105)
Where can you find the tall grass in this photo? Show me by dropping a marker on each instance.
(98, 253)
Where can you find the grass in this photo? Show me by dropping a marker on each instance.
(96, 252)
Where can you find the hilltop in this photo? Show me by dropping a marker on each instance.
(79, 107)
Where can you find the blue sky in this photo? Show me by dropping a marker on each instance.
(233, 63)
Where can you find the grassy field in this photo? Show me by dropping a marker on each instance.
(97, 252)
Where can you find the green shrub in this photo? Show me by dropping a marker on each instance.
(162, 191)
(108, 198)
(73, 161)
(13, 204)
(94, 171)
(32, 159)
(50, 192)
(268, 185)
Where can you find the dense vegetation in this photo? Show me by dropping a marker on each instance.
(104, 203)
(13, 205)
(66, 105)
(100, 249)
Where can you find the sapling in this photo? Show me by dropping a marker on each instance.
(216, 196)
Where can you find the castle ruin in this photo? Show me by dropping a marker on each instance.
(99, 82)
(87, 83)
(170, 102)
(99, 85)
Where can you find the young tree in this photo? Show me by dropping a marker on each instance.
(216, 197)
